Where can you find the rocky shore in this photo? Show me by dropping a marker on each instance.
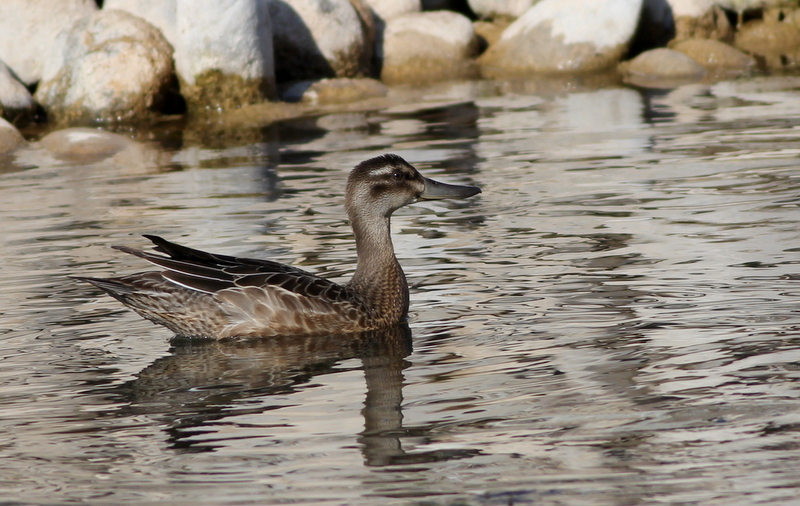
(87, 62)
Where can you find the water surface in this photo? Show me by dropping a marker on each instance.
(614, 320)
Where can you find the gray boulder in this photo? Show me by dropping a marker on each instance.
(558, 36)
(223, 53)
(16, 102)
(28, 30)
(428, 46)
(110, 66)
(314, 39)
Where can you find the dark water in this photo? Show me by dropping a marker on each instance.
(615, 320)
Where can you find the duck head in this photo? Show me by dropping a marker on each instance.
(381, 185)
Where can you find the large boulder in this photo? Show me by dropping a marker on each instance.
(428, 46)
(223, 53)
(28, 30)
(314, 39)
(159, 13)
(16, 102)
(492, 9)
(110, 66)
(560, 36)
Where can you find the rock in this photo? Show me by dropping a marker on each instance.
(16, 102)
(490, 31)
(86, 146)
(110, 66)
(428, 46)
(493, 9)
(775, 39)
(700, 19)
(661, 68)
(557, 36)
(10, 138)
(714, 55)
(334, 91)
(740, 6)
(389, 9)
(29, 29)
(223, 53)
(315, 39)
(159, 13)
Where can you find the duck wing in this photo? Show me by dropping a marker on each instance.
(212, 273)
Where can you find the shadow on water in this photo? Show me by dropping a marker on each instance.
(203, 382)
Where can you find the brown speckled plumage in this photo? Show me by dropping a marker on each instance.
(201, 294)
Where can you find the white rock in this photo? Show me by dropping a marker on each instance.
(318, 38)
(28, 29)
(691, 8)
(500, 8)
(428, 46)
(110, 66)
(223, 53)
(15, 99)
(389, 9)
(159, 13)
(565, 36)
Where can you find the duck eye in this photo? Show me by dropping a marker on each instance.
(397, 174)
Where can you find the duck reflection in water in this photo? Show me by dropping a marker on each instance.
(201, 294)
(201, 383)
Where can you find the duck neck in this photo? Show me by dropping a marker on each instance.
(378, 280)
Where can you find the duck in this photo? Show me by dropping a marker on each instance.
(197, 294)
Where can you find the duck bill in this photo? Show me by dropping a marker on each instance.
(436, 190)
